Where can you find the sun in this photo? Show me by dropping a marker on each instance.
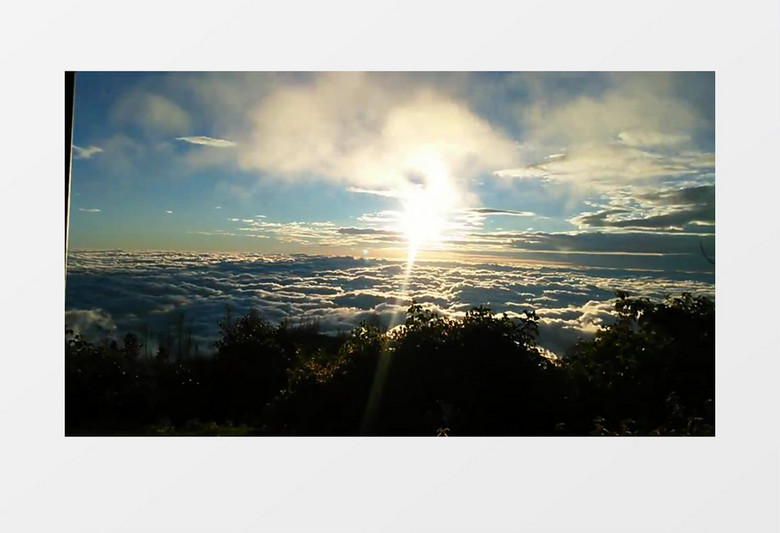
(424, 217)
(426, 210)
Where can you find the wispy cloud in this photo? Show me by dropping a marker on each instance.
(606, 165)
(498, 212)
(207, 141)
(169, 211)
(375, 192)
(85, 153)
(366, 231)
(89, 210)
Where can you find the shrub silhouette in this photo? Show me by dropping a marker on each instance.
(327, 392)
(655, 365)
(250, 366)
(479, 375)
(652, 371)
(106, 388)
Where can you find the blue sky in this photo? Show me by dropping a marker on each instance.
(608, 169)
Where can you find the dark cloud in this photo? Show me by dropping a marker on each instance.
(508, 212)
(680, 251)
(600, 218)
(675, 220)
(682, 208)
(703, 195)
(361, 300)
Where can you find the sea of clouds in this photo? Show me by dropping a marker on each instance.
(111, 293)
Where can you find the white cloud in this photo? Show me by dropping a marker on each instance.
(358, 129)
(92, 324)
(169, 211)
(613, 164)
(641, 103)
(376, 192)
(638, 129)
(85, 153)
(89, 210)
(341, 291)
(207, 141)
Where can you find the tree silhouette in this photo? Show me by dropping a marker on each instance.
(651, 371)
(655, 361)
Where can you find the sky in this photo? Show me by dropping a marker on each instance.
(607, 169)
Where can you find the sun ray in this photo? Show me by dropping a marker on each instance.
(427, 208)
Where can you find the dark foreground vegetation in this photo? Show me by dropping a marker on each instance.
(651, 372)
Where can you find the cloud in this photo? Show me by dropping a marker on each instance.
(85, 153)
(363, 130)
(562, 328)
(223, 98)
(622, 129)
(169, 211)
(652, 138)
(609, 164)
(136, 289)
(701, 195)
(92, 324)
(496, 212)
(677, 220)
(121, 157)
(609, 243)
(365, 231)
(375, 192)
(465, 236)
(316, 233)
(663, 209)
(91, 210)
(152, 113)
(207, 141)
(642, 107)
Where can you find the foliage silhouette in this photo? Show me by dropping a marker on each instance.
(655, 365)
(649, 372)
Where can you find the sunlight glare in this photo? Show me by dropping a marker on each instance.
(427, 207)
